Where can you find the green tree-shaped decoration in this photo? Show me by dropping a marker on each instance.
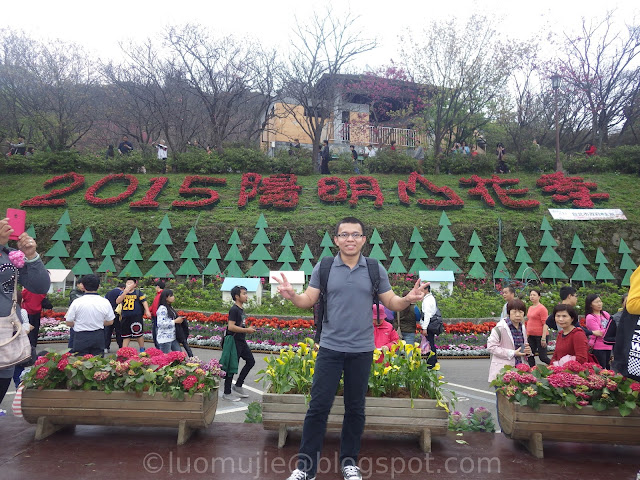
(82, 267)
(189, 268)
(603, 272)
(287, 258)
(31, 231)
(213, 268)
(446, 250)
(162, 255)
(523, 258)
(476, 258)
(396, 265)
(550, 256)
(376, 250)
(580, 274)
(417, 253)
(234, 256)
(260, 254)
(58, 250)
(501, 270)
(133, 255)
(306, 256)
(107, 265)
(627, 265)
(326, 243)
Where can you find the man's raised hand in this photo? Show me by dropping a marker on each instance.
(284, 287)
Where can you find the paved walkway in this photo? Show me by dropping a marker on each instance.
(230, 449)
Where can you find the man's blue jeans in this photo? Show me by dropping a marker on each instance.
(328, 370)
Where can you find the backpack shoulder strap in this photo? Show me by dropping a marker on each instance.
(374, 275)
(325, 267)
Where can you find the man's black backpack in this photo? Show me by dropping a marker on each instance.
(321, 307)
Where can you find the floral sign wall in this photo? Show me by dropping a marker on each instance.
(281, 191)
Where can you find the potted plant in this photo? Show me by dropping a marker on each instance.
(572, 402)
(62, 389)
(401, 384)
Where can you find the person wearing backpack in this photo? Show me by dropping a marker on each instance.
(346, 342)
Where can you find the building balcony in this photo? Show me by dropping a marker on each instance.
(376, 135)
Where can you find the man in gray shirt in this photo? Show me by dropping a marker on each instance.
(346, 345)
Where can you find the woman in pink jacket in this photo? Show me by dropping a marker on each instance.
(507, 342)
(597, 321)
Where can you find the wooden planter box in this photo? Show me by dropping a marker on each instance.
(284, 412)
(52, 410)
(560, 424)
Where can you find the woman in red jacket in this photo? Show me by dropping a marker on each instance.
(571, 340)
(590, 150)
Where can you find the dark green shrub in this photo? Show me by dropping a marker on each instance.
(537, 160)
(479, 165)
(198, 162)
(299, 164)
(343, 164)
(625, 159)
(243, 159)
(579, 163)
(387, 161)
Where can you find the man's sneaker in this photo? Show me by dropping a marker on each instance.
(240, 391)
(231, 398)
(351, 472)
(300, 475)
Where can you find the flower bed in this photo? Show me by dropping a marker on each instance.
(568, 403)
(402, 385)
(570, 385)
(463, 339)
(62, 389)
(129, 371)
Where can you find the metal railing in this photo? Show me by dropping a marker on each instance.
(377, 136)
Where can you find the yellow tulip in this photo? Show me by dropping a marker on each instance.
(311, 370)
(279, 361)
(436, 366)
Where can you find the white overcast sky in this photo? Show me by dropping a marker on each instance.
(99, 26)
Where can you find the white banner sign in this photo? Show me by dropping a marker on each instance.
(587, 214)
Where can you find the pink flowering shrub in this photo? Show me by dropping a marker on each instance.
(571, 384)
(152, 371)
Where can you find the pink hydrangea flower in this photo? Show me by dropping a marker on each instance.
(189, 382)
(523, 367)
(42, 373)
(17, 258)
(635, 387)
(127, 352)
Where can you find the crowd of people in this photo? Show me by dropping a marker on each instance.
(515, 341)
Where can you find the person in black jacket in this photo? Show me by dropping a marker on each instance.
(326, 156)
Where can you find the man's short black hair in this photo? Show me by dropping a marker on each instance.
(349, 220)
(235, 291)
(131, 278)
(160, 283)
(90, 282)
(511, 289)
(566, 291)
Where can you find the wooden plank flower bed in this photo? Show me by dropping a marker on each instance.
(52, 410)
(560, 424)
(285, 412)
(405, 394)
(572, 402)
(130, 389)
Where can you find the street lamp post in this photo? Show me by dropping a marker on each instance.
(555, 84)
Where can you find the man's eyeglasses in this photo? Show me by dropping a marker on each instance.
(345, 235)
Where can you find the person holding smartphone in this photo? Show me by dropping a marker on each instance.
(28, 271)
